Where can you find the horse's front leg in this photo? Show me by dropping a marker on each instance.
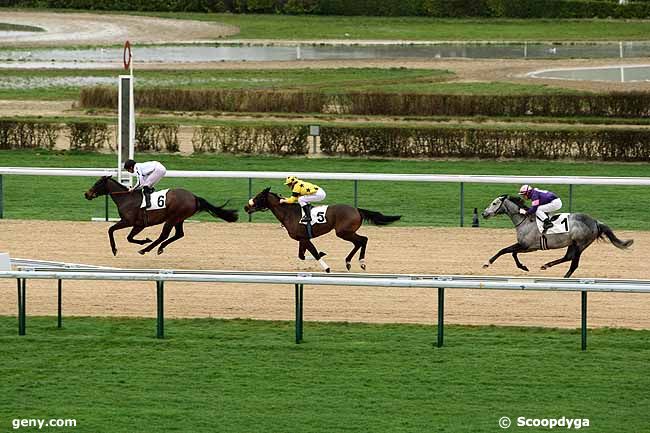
(314, 252)
(121, 224)
(515, 248)
(518, 263)
(301, 249)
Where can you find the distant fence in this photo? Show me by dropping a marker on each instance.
(461, 179)
(299, 280)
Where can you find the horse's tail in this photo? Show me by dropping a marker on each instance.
(377, 217)
(604, 230)
(217, 211)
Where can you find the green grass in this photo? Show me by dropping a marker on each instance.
(417, 29)
(66, 84)
(421, 204)
(6, 27)
(111, 375)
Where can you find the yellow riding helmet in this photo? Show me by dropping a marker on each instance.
(290, 180)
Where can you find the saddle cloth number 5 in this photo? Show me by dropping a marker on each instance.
(320, 217)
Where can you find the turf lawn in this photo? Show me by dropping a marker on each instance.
(421, 204)
(111, 375)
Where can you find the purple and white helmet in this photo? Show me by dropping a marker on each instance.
(525, 189)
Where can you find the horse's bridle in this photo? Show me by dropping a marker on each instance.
(503, 200)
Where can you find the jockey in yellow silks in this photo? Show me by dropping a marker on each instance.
(304, 193)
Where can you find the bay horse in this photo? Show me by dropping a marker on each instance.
(583, 230)
(180, 205)
(344, 219)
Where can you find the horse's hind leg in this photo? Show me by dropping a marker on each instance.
(568, 256)
(356, 240)
(178, 233)
(314, 252)
(134, 231)
(164, 234)
(574, 263)
(362, 254)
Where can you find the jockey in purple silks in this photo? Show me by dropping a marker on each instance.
(543, 202)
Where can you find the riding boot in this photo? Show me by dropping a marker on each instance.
(547, 225)
(147, 196)
(306, 218)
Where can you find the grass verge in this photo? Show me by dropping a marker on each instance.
(111, 375)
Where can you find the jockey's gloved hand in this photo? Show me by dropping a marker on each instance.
(523, 211)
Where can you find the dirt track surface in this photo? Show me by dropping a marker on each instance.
(92, 29)
(266, 247)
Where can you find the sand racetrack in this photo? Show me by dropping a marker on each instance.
(245, 246)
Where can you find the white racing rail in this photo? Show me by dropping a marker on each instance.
(298, 280)
(450, 178)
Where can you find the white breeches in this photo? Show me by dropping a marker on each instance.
(154, 177)
(317, 196)
(544, 210)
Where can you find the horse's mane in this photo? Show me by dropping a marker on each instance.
(518, 201)
(122, 187)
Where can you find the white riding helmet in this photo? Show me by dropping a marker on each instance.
(525, 189)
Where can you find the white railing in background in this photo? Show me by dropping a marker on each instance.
(461, 179)
(397, 177)
(299, 279)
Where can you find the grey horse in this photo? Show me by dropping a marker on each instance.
(583, 231)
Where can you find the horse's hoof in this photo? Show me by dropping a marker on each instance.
(114, 253)
(327, 270)
(543, 268)
(301, 257)
(142, 252)
(147, 241)
(160, 251)
(321, 254)
(486, 265)
(524, 268)
(362, 263)
(348, 265)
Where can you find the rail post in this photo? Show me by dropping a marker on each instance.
(441, 315)
(22, 300)
(356, 193)
(583, 298)
(299, 301)
(2, 194)
(106, 208)
(160, 318)
(462, 202)
(250, 195)
(570, 197)
(59, 317)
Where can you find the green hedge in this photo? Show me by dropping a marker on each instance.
(615, 104)
(592, 145)
(431, 8)
(261, 140)
(27, 135)
(208, 100)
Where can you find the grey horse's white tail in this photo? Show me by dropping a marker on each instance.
(604, 230)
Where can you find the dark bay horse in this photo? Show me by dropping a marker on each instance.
(344, 219)
(583, 230)
(180, 205)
